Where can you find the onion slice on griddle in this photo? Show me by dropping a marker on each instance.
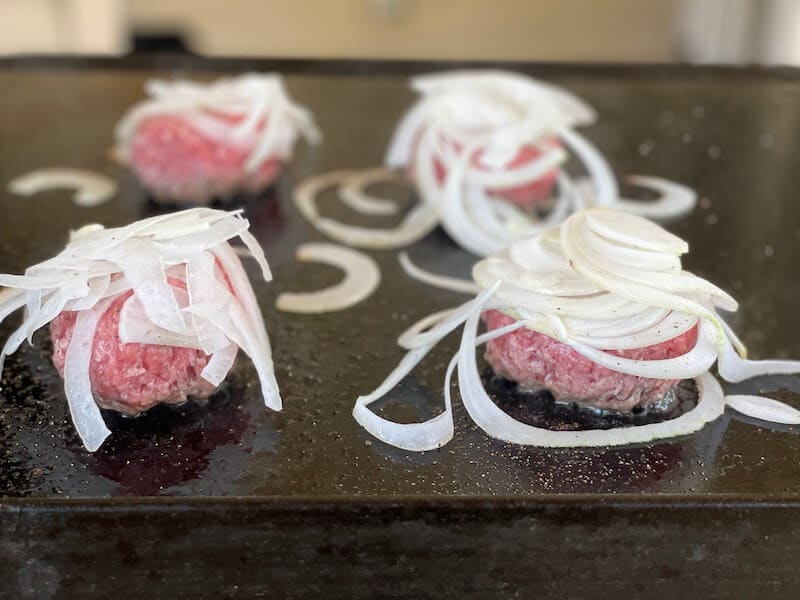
(444, 282)
(91, 189)
(361, 277)
(419, 221)
(763, 408)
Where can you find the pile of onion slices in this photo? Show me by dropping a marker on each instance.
(252, 110)
(604, 280)
(215, 312)
(461, 143)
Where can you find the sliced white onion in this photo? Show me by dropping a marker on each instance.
(415, 337)
(353, 192)
(77, 384)
(674, 199)
(453, 284)
(91, 189)
(135, 327)
(734, 368)
(361, 277)
(416, 437)
(419, 221)
(220, 364)
(600, 173)
(765, 409)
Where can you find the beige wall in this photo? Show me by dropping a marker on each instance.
(637, 30)
(57, 26)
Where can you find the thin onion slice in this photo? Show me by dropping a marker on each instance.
(353, 192)
(453, 284)
(765, 409)
(91, 189)
(78, 386)
(361, 277)
(674, 199)
(419, 221)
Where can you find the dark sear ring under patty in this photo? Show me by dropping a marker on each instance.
(540, 409)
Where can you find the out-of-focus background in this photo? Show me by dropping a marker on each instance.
(703, 31)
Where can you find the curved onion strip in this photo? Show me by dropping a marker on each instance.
(353, 195)
(698, 360)
(734, 368)
(416, 437)
(504, 178)
(408, 337)
(85, 413)
(91, 189)
(361, 277)
(600, 173)
(453, 284)
(631, 231)
(220, 364)
(673, 325)
(765, 409)
(414, 337)
(454, 217)
(674, 199)
(419, 221)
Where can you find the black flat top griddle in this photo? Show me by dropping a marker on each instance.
(233, 470)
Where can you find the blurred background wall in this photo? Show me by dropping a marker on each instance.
(738, 31)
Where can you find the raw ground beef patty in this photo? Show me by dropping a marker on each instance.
(535, 360)
(178, 163)
(131, 378)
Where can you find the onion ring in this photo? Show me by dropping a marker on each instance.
(416, 224)
(444, 282)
